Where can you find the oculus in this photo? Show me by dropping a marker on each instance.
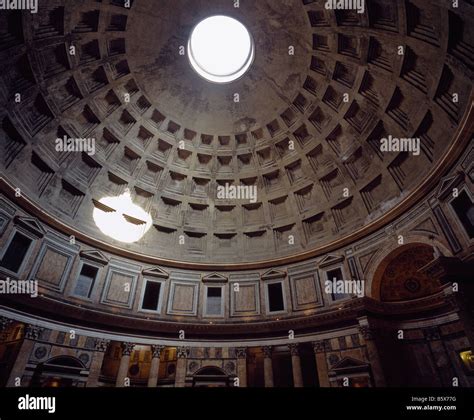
(221, 49)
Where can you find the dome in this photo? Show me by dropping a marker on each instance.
(316, 135)
(217, 196)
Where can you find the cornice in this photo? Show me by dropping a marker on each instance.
(334, 317)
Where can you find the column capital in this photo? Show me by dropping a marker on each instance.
(101, 345)
(127, 349)
(453, 299)
(367, 332)
(321, 346)
(182, 352)
(432, 333)
(241, 352)
(294, 349)
(367, 328)
(33, 332)
(156, 351)
(267, 351)
(4, 323)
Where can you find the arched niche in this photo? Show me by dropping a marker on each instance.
(211, 377)
(398, 277)
(58, 372)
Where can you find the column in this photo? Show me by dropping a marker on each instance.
(320, 348)
(296, 363)
(96, 363)
(268, 366)
(463, 308)
(155, 365)
(4, 325)
(368, 333)
(127, 349)
(180, 379)
(242, 366)
(441, 358)
(32, 334)
(453, 272)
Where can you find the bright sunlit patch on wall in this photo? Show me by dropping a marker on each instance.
(121, 219)
(221, 49)
(467, 358)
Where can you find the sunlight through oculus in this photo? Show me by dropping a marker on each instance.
(221, 49)
(121, 219)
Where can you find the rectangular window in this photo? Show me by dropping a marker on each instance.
(335, 276)
(275, 297)
(214, 301)
(464, 209)
(151, 296)
(16, 252)
(85, 282)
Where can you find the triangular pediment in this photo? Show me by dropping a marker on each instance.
(155, 272)
(214, 278)
(31, 224)
(349, 364)
(94, 255)
(331, 260)
(273, 274)
(448, 184)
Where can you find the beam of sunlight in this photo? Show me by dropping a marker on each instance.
(121, 219)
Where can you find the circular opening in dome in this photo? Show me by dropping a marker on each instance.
(221, 49)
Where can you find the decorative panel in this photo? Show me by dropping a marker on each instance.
(120, 286)
(183, 298)
(53, 265)
(245, 301)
